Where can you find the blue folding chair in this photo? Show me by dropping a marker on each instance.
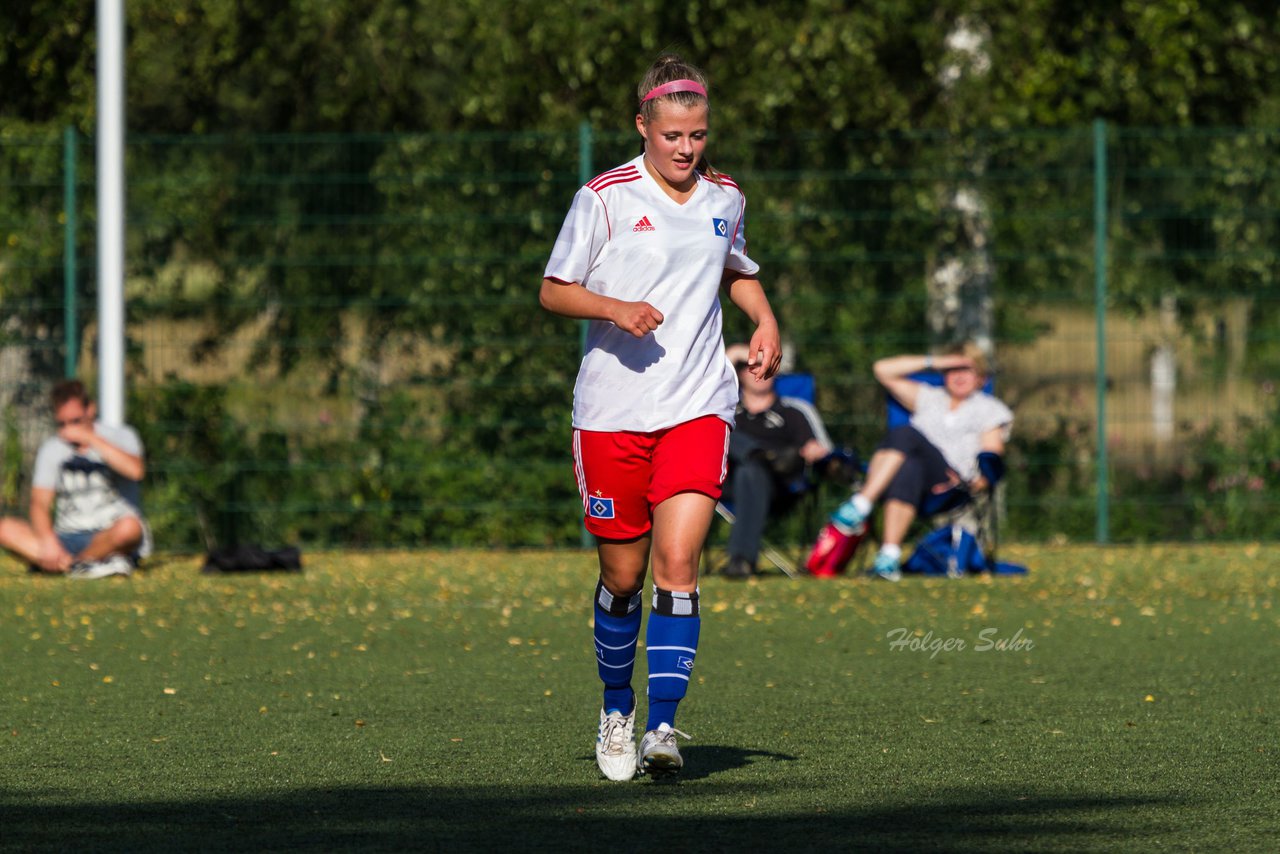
(800, 386)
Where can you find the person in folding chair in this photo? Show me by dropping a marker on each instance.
(774, 438)
(950, 451)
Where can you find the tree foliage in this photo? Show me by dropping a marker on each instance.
(402, 165)
(392, 65)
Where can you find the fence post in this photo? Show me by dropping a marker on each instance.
(1100, 314)
(584, 175)
(69, 322)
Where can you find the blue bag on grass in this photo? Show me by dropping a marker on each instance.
(954, 552)
(946, 551)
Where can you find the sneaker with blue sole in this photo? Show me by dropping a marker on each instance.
(848, 518)
(886, 568)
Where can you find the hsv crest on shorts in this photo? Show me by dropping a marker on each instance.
(644, 225)
(600, 508)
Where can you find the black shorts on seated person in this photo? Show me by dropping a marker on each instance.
(923, 470)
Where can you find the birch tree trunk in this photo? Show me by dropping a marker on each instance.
(961, 274)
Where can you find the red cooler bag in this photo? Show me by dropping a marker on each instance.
(833, 550)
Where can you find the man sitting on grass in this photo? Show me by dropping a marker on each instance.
(86, 520)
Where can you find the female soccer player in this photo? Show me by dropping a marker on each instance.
(642, 256)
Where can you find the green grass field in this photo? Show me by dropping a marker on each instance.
(448, 701)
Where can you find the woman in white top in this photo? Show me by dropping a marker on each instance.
(643, 255)
(952, 448)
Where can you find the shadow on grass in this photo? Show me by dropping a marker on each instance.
(706, 760)
(591, 817)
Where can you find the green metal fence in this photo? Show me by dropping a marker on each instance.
(336, 339)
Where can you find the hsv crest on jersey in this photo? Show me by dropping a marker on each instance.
(721, 226)
(644, 225)
(600, 508)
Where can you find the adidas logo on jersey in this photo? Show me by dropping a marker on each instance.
(644, 225)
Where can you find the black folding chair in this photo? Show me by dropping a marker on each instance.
(804, 500)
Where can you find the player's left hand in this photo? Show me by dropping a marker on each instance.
(953, 480)
(813, 451)
(764, 352)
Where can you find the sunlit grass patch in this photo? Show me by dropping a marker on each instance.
(377, 700)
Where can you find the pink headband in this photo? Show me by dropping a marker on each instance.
(675, 86)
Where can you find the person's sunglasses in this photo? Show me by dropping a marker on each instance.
(79, 420)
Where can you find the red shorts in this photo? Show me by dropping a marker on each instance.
(623, 476)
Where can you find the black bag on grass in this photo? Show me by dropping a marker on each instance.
(252, 558)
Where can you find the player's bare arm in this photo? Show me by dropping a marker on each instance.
(765, 356)
(570, 299)
(123, 463)
(893, 372)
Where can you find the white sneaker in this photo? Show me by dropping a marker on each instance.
(616, 745)
(658, 751)
(114, 565)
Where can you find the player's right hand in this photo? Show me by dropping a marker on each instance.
(638, 318)
(53, 557)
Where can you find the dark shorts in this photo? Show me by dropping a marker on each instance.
(75, 541)
(925, 481)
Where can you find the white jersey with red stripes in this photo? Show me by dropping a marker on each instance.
(626, 238)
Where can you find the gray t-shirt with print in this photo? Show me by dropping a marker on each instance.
(958, 432)
(88, 494)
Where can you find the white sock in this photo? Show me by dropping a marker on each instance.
(891, 551)
(862, 504)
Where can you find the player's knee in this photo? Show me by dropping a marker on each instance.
(127, 532)
(907, 485)
(904, 507)
(676, 565)
(622, 580)
(10, 531)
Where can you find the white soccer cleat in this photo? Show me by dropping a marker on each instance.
(616, 745)
(658, 751)
(114, 565)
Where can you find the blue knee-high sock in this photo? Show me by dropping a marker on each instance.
(671, 645)
(616, 632)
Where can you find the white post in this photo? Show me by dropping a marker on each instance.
(111, 195)
(1164, 372)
